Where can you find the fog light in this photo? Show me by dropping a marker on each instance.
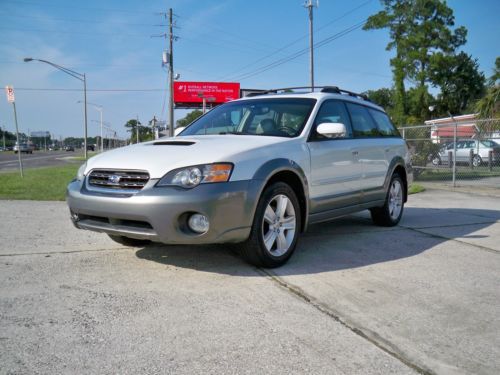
(198, 223)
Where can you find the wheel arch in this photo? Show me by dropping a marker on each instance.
(289, 172)
(397, 165)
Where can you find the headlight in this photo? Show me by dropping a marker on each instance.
(190, 177)
(80, 174)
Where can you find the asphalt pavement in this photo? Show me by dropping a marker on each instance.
(9, 161)
(423, 297)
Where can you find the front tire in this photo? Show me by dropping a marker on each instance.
(390, 213)
(476, 161)
(275, 228)
(129, 241)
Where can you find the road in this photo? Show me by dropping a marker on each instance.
(9, 160)
(422, 297)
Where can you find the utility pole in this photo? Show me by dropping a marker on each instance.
(310, 4)
(137, 129)
(171, 74)
(3, 132)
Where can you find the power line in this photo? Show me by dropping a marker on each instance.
(295, 41)
(45, 5)
(94, 22)
(80, 90)
(72, 32)
(298, 53)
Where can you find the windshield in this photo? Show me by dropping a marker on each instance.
(277, 117)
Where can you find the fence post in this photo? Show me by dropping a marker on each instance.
(490, 160)
(450, 159)
(454, 149)
(471, 158)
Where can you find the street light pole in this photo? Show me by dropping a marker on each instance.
(81, 77)
(100, 109)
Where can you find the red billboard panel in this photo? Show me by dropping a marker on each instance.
(192, 93)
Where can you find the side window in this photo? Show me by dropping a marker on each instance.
(331, 111)
(385, 126)
(362, 123)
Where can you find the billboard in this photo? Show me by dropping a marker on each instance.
(191, 94)
(40, 134)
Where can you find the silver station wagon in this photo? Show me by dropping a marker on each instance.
(256, 171)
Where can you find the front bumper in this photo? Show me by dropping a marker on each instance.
(160, 214)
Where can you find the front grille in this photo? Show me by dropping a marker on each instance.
(118, 180)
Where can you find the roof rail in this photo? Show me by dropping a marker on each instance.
(325, 89)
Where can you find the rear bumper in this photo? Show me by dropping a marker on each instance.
(160, 214)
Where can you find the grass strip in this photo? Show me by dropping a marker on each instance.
(43, 184)
(415, 188)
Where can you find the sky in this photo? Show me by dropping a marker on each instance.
(114, 43)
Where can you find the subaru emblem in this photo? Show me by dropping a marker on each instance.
(114, 179)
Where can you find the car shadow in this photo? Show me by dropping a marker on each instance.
(345, 243)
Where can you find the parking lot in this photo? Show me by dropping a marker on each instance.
(423, 297)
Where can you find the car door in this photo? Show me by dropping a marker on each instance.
(371, 148)
(335, 170)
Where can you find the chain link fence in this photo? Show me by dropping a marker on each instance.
(458, 153)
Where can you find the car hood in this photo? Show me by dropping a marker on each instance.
(163, 155)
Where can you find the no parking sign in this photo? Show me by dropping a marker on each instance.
(9, 90)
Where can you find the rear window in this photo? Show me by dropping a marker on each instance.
(385, 126)
(362, 123)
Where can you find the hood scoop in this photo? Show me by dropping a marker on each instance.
(173, 143)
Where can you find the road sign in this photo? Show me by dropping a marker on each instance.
(9, 90)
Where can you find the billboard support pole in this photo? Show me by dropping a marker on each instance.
(171, 76)
(18, 143)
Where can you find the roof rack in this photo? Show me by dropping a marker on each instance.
(325, 89)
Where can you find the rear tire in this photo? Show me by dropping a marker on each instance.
(275, 229)
(390, 213)
(129, 241)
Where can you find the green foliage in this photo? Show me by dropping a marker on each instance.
(38, 184)
(421, 33)
(489, 105)
(495, 77)
(145, 133)
(460, 81)
(189, 118)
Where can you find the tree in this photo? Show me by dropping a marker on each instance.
(134, 126)
(384, 97)
(460, 81)
(397, 16)
(489, 105)
(420, 31)
(189, 118)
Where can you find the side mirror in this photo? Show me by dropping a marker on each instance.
(332, 129)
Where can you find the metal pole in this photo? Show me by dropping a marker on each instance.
(18, 143)
(171, 76)
(204, 105)
(3, 132)
(311, 44)
(85, 116)
(102, 143)
(454, 150)
(137, 129)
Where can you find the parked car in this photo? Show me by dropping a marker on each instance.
(69, 148)
(256, 171)
(480, 152)
(23, 148)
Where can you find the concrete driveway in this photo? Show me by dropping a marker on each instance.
(423, 297)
